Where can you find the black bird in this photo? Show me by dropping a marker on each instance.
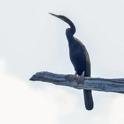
(79, 57)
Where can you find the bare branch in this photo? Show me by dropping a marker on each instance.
(98, 84)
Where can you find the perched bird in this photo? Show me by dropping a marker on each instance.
(79, 57)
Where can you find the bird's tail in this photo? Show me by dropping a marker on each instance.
(88, 99)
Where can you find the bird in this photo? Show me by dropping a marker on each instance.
(79, 58)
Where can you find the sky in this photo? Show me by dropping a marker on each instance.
(32, 41)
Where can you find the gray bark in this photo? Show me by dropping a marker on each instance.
(81, 82)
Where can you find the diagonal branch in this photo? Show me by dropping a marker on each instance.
(98, 84)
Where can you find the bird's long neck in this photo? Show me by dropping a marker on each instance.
(69, 35)
(70, 31)
(72, 28)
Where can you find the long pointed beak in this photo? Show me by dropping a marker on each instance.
(63, 18)
(58, 16)
(53, 14)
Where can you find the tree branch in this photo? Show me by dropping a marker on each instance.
(80, 82)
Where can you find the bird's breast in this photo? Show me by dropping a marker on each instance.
(79, 57)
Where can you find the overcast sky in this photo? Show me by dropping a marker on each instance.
(32, 40)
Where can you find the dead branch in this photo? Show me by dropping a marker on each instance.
(80, 82)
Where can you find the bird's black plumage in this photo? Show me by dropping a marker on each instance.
(79, 57)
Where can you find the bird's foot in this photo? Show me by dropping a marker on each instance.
(80, 78)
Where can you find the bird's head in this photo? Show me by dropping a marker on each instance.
(72, 28)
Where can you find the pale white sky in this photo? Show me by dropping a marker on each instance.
(32, 40)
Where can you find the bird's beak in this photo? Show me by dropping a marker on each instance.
(59, 16)
(53, 14)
